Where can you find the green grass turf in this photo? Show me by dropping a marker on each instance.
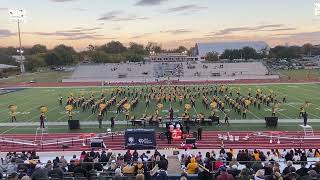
(30, 99)
(301, 74)
(44, 76)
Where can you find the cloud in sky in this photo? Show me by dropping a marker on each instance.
(149, 2)
(185, 9)
(5, 33)
(72, 34)
(141, 36)
(80, 9)
(120, 16)
(61, 0)
(270, 27)
(177, 31)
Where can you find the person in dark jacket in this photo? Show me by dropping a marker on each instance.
(169, 136)
(199, 133)
(303, 171)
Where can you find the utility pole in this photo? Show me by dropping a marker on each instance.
(19, 16)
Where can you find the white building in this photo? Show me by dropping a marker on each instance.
(201, 49)
(171, 57)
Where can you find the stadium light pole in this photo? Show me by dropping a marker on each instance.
(19, 16)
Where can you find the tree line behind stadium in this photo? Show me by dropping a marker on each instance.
(39, 56)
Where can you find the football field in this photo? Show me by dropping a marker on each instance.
(29, 100)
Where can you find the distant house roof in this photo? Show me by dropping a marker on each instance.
(220, 47)
(6, 66)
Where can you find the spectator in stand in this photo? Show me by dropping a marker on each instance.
(135, 155)
(262, 157)
(140, 177)
(128, 169)
(289, 156)
(63, 162)
(127, 157)
(313, 175)
(12, 166)
(83, 155)
(39, 173)
(296, 158)
(267, 169)
(218, 164)
(25, 177)
(13, 176)
(192, 167)
(317, 167)
(139, 168)
(118, 174)
(56, 172)
(234, 171)
(74, 157)
(229, 157)
(92, 173)
(79, 170)
(259, 175)
(286, 170)
(292, 175)
(224, 175)
(303, 171)
(284, 153)
(316, 153)
(256, 166)
(247, 172)
(72, 165)
(310, 153)
(103, 158)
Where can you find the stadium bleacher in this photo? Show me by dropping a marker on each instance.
(157, 71)
(152, 164)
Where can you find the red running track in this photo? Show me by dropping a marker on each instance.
(209, 141)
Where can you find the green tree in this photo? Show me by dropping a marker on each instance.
(51, 59)
(286, 52)
(249, 53)
(212, 56)
(33, 62)
(113, 47)
(136, 48)
(6, 59)
(151, 46)
(38, 48)
(66, 54)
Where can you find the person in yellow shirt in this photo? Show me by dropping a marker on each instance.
(192, 167)
(316, 153)
(13, 116)
(128, 169)
(256, 155)
(70, 114)
(301, 111)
